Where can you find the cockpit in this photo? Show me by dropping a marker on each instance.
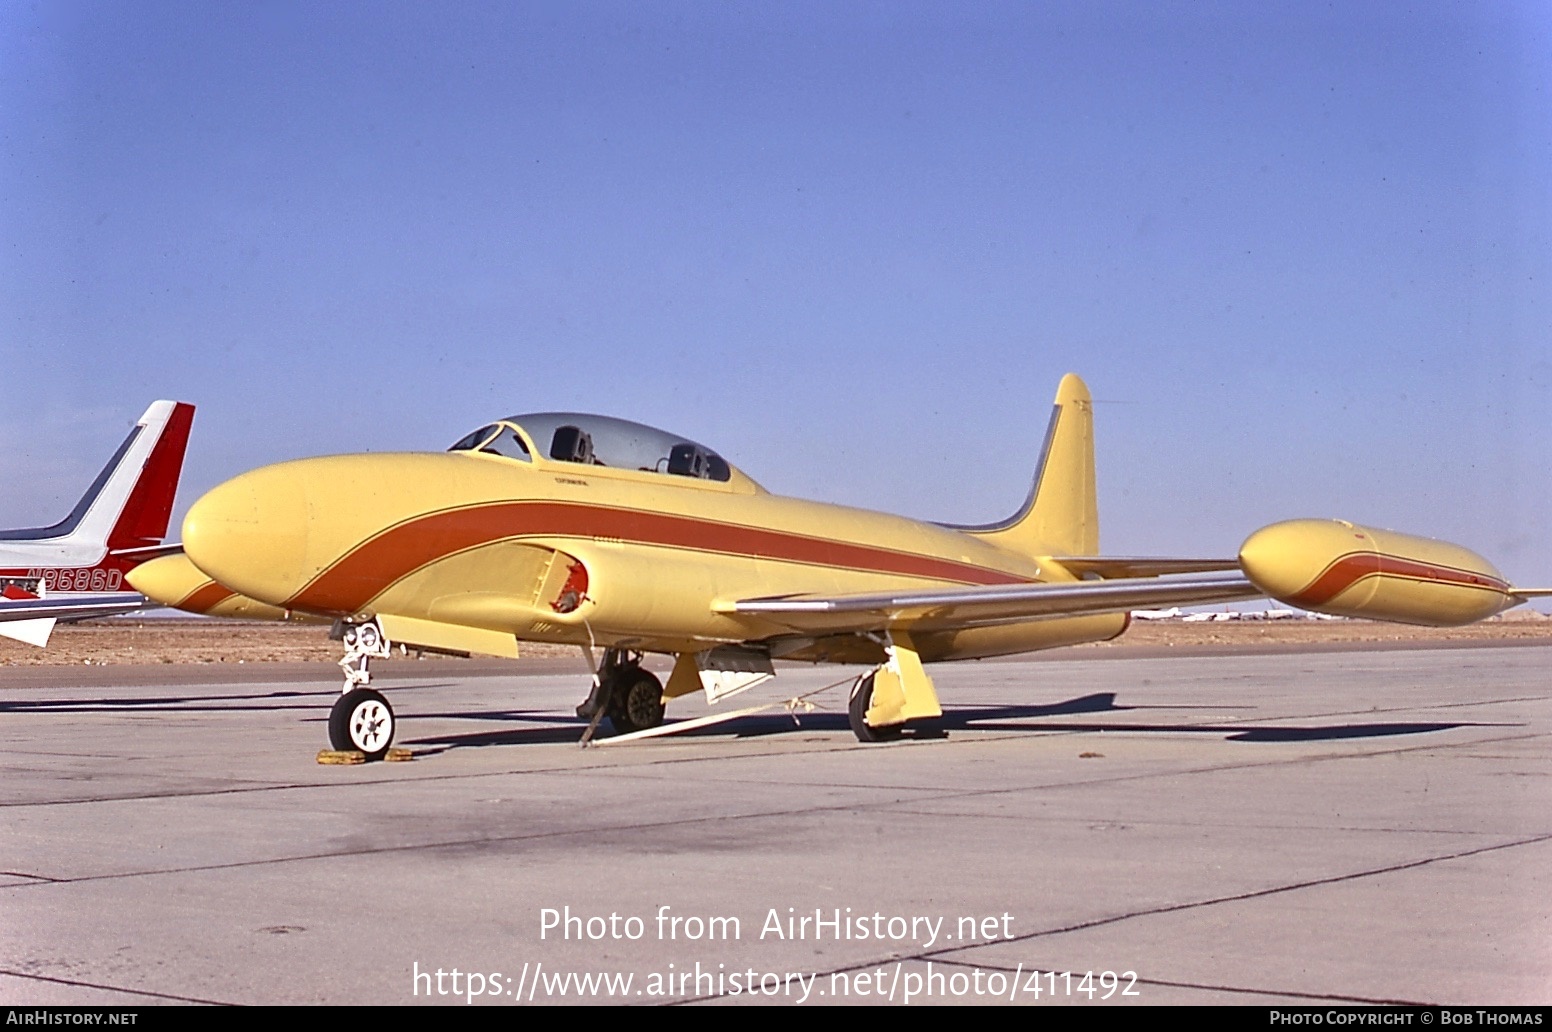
(597, 441)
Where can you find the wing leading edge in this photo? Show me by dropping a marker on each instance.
(977, 606)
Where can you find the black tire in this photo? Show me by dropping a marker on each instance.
(636, 702)
(362, 721)
(857, 710)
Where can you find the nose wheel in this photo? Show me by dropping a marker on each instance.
(362, 720)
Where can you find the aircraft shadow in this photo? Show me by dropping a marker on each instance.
(312, 700)
(1006, 718)
(1037, 719)
(752, 726)
(546, 728)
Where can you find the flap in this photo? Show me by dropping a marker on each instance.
(446, 637)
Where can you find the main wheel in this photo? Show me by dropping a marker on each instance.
(857, 711)
(362, 720)
(636, 702)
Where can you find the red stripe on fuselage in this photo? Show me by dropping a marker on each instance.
(364, 572)
(1350, 569)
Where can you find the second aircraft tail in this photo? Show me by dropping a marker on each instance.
(129, 505)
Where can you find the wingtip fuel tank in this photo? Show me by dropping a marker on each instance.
(174, 581)
(1340, 568)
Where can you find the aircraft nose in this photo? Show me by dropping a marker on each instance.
(250, 533)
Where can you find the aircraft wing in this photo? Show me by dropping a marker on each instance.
(977, 606)
(67, 608)
(31, 620)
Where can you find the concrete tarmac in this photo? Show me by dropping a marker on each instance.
(1302, 828)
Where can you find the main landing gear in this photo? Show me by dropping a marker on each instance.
(857, 709)
(631, 697)
(361, 719)
(889, 695)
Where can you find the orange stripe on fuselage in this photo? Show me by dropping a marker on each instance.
(1343, 573)
(369, 568)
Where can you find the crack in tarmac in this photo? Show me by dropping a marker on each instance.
(80, 984)
(848, 807)
(945, 954)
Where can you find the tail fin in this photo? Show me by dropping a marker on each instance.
(129, 504)
(143, 519)
(1061, 515)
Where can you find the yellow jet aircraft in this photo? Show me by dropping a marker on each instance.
(612, 536)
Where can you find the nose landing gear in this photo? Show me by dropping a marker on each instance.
(361, 719)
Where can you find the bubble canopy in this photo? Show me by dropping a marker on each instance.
(591, 440)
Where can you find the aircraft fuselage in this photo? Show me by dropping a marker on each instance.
(556, 551)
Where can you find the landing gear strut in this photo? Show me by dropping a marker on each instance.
(361, 719)
(362, 643)
(631, 697)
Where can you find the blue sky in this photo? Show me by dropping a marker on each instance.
(1303, 257)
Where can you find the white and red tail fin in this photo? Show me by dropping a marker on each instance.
(129, 505)
(75, 568)
(144, 517)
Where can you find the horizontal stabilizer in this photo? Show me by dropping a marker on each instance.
(1111, 567)
(146, 553)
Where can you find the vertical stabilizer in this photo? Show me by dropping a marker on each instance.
(129, 503)
(146, 512)
(1061, 515)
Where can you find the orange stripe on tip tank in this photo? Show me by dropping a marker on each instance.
(205, 597)
(1350, 569)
